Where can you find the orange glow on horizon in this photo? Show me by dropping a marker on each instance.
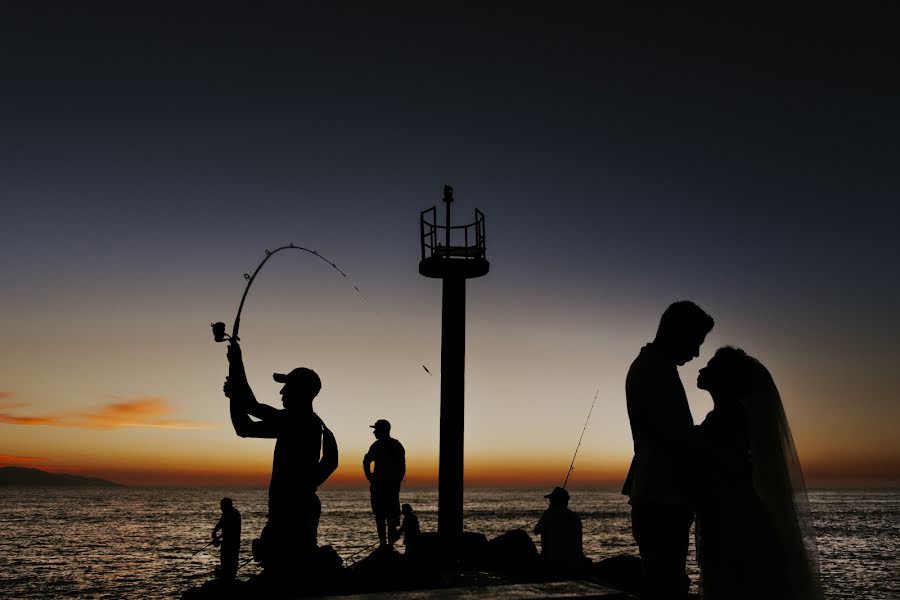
(852, 472)
(9, 460)
(479, 473)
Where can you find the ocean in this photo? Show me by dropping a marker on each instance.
(139, 542)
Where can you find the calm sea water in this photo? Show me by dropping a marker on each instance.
(134, 542)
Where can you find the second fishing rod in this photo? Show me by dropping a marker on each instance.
(530, 524)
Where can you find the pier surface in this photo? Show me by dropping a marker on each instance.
(557, 590)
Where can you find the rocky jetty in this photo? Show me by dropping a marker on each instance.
(475, 567)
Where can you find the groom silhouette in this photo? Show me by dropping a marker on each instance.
(660, 482)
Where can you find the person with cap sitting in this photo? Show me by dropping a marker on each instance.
(390, 469)
(560, 531)
(290, 533)
(230, 540)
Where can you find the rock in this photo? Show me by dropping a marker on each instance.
(471, 547)
(513, 551)
(622, 572)
(386, 570)
(322, 574)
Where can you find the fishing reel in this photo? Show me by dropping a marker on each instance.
(219, 334)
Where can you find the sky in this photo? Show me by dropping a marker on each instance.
(624, 158)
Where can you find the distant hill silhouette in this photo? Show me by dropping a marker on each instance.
(19, 476)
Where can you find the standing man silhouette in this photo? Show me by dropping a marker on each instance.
(230, 540)
(390, 469)
(290, 534)
(661, 480)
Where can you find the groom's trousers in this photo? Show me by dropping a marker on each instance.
(662, 533)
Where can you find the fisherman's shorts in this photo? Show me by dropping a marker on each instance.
(386, 502)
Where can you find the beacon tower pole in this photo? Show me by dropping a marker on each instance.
(453, 254)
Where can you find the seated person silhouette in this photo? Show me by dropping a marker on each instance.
(229, 542)
(390, 469)
(290, 534)
(561, 536)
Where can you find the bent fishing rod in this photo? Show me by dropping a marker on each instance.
(572, 465)
(219, 327)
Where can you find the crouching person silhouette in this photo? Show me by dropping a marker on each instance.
(410, 530)
(289, 538)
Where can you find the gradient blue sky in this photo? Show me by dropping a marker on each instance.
(624, 159)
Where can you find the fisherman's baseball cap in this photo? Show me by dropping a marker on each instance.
(300, 376)
(381, 424)
(558, 492)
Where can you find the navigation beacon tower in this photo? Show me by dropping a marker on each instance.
(453, 254)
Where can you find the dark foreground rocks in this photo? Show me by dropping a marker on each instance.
(474, 563)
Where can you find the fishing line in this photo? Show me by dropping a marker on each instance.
(402, 340)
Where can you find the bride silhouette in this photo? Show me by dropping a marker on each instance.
(754, 529)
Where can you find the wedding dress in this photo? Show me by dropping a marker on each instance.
(754, 528)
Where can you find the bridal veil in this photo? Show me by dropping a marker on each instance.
(778, 481)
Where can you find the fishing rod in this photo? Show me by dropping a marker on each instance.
(358, 552)
(530, 524)
(178, 564)
(241, 566)
(219, 328)
(572, 465)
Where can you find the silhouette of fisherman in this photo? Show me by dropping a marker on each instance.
(390, 468)
(290, 534)
(661, 480)
(409, 530)
(561, 534)
(229, 542)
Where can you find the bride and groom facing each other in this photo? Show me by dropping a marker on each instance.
(737, 472)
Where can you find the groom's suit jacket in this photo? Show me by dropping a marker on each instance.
(662, 470)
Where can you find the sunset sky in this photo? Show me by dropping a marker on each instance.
(623, 160)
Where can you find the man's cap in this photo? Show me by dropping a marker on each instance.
(300, 375)
(558, 493)
(381, 424)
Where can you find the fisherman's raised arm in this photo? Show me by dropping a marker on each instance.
(243, 403)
